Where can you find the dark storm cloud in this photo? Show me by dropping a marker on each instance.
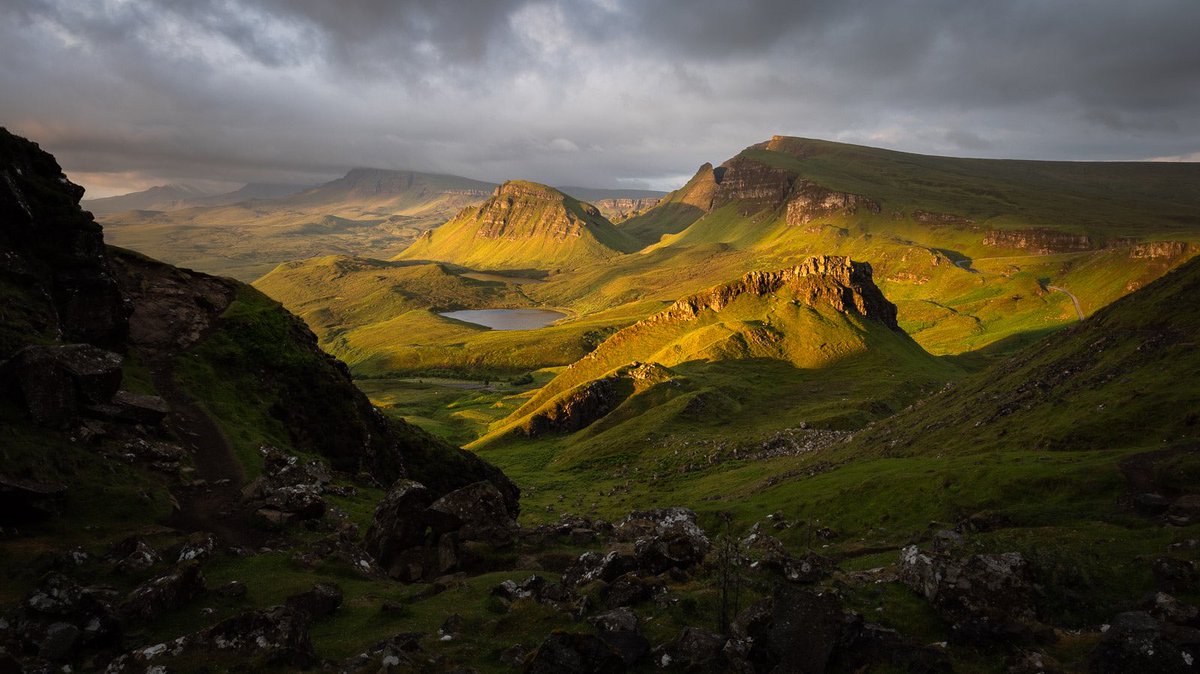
(584, 91)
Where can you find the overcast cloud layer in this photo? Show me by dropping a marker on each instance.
(592, 92)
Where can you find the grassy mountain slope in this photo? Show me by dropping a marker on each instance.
(749, 356)
(523, 226)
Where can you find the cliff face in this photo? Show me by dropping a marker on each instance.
(835, 281)
(809, 201)
(245, 355)
(617, 210)
(52, 255)
(1039, 241)
(753, 185)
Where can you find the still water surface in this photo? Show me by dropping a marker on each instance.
(507, 319)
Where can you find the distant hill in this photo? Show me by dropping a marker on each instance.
(244, 234)
(523, 225)
(158, 198)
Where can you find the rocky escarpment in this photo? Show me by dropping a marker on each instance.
(809, 201)
(754, 187)
(617, 210)
(519, 210)
(835, 281)
(1154, 250)
(1038, 241)
(52, 257)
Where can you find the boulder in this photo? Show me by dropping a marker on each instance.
(569, 653)
(164, 593)
(1136, 642)
(61, 620)
(136, 555)
(805, 629)
(399, 532)
(398, 653)
(25, 501)
(276, 637)
(619, 629)
(288, 489)
(694, 650)
(604, 566)
(664, 539)
(321, 601)
(1174, 576)
(476, 512)
(137, 408)
(770, 554)
(983, 597)
(54, 382)
(629, 589)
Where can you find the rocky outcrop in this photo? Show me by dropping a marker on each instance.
(617, 210)
(809, 201)
(56, 382)
(265, 638)
(935, 218)
(1038, 241)
(752, 185)
(837, 282)
(53, 254)
(60, 621)
(24, 501)
(983, 597)
(1155, 250)
(414, 537)
(576, 409)
(288, 490)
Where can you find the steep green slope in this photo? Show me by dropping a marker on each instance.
(750, 356)
(1125, 377)
(523, 226)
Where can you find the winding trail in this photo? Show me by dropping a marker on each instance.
(212, 507)
(1074, 299)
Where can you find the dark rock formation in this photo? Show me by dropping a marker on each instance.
(569, 653)
(1153, 250)
(60, 620)
(1136, 642)
(576, 409)
(754, 186)
(56, 382)
(983, 597)
(53, 254)
(275, 637)
(664, 539)
(163, 593)
(413, 537)
(23, 501)
(932, 217)
(319, 602)
(288, 489)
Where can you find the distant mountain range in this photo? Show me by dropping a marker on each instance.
(177, 197)
(368, 212)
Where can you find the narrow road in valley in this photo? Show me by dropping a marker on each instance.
(1074, 299)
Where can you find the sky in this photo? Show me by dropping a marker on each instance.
(599, 93)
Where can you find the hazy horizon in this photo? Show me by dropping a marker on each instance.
(599, 93)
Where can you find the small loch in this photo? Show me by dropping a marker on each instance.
(506, 319)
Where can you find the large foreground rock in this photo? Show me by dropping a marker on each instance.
(414, 537)
(55, 382)
(983, 597)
